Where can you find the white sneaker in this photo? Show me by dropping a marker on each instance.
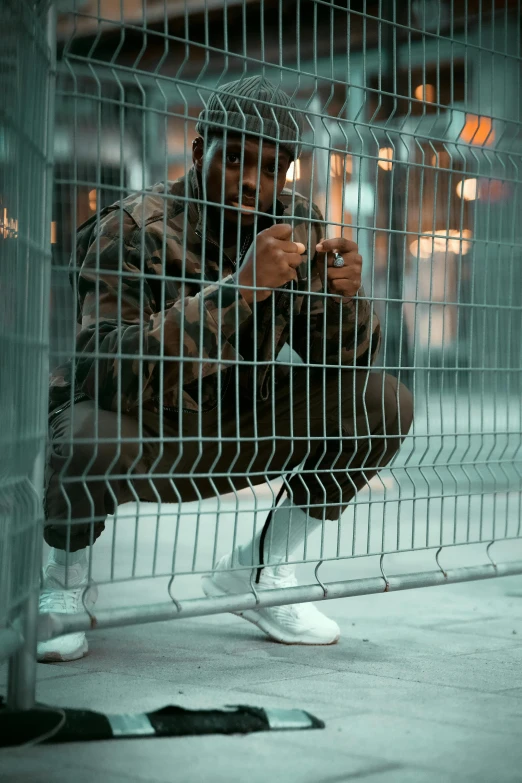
(55, 598)
(291, 624)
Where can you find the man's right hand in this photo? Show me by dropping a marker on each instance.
(276, 262)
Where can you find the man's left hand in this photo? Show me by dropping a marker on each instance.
(345, 280)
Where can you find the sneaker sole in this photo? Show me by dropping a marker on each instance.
(212, 590)
(54, 656)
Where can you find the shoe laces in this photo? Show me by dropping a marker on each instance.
(284, 576)
(278, 576)
(61, 601)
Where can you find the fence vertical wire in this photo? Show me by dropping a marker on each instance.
(412, 147)
(26, 63)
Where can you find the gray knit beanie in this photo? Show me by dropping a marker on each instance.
(255, 105)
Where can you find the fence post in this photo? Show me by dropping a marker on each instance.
(27, 276)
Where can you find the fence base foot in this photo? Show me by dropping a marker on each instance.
(22, 665)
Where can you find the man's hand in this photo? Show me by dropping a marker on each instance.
(277, 259)
(345, 280)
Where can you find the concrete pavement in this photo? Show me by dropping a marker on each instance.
(424, 686)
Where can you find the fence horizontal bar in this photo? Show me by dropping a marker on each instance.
(454, 40)
(402, 232)
(52, 625)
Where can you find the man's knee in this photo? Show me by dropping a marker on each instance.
(398, 407)
(386, 403)
(84, 441)
(84, 453)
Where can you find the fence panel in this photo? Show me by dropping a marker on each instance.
(206, 403)
(25, 64)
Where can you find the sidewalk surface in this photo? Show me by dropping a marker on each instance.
(424, 686)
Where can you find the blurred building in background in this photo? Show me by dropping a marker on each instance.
(416, 129)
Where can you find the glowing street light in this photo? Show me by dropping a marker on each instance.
(478, 130)
(452, 241)
(425, 92)
(340, 164)
(385, 158)
(468, 189)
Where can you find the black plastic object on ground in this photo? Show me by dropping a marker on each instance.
(45, 724)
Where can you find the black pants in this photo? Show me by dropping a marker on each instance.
(341, 427)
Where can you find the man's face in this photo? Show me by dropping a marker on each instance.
(263, 174)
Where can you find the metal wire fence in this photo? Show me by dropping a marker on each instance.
(25, 65)
(183, 383)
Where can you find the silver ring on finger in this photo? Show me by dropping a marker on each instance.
(338, 260)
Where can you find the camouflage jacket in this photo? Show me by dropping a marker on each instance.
(162, 322)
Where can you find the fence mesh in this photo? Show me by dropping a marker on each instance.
(24, 287)
(199, 391)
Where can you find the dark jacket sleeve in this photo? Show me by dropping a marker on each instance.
(131, 347)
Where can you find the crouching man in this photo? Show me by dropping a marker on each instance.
(187, 294)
